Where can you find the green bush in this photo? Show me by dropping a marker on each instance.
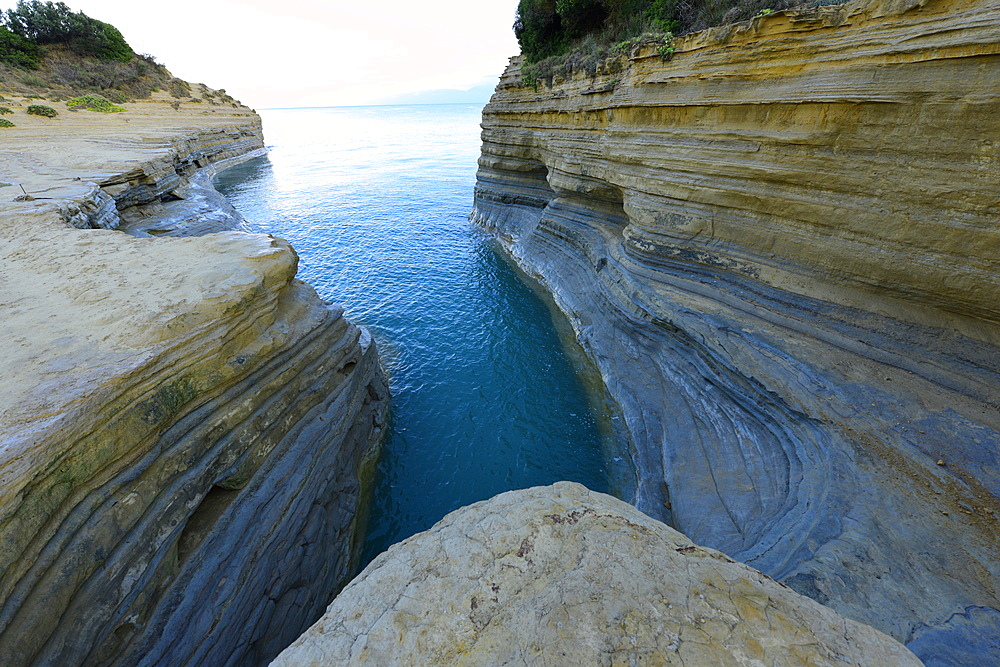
(94, 103)
(529, 77)
(5, 123)
(55, 23)
(106, 43)
(546, 28)
(42, 110)
(17, 51)
(539, 30)
(662, 15)
(5, 110)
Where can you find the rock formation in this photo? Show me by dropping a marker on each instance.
(185, 427)
(561, 575)
(781, 248)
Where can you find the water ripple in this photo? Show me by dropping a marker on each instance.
(484, 397)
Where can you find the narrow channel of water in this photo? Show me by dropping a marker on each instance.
(486, 394)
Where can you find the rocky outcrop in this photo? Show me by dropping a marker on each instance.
(174, 196)
(185, 427)
(562, 575)
(780, 247)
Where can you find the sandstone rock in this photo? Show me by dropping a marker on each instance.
(780, 247)
(561, 575)
(184, 426)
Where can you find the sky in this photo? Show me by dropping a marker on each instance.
(294, 53)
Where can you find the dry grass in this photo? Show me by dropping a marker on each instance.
(62, 74)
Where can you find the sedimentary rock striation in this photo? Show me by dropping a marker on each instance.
(183, 424)
(781, 248)
(562, 575)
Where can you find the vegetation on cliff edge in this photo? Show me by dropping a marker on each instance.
(41, 23)
(48, 49)
(558, 37)
(546, 28)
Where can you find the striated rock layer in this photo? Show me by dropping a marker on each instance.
(781, 248)
(184, 426)
(564, 576)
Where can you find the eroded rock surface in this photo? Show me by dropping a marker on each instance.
(562, 575)
(781, 248)
(183, 424)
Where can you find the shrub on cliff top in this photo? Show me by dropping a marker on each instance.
(117, 81)
(94, 103)
(71, 54)
(546, 28)
(55, 23)
(5, 123)
(42, 110)
(16, 50)
(5, 110)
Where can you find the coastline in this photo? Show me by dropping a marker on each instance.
(175, 410)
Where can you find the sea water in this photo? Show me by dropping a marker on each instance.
(487, 391)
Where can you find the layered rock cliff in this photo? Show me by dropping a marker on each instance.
(781, 248)
(564, 576)
(184, 425)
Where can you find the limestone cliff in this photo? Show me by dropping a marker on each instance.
(183, 424)
(781, 248)
(563, 576)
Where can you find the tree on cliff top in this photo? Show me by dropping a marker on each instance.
(44, 23)
(546, 28)
(71, 54)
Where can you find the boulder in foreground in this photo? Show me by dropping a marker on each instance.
(564, 575)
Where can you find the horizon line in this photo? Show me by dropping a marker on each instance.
(356, 106)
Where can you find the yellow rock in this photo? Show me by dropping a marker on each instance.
(182, 422)
(781, 247)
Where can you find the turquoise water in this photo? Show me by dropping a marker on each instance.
(486, 395)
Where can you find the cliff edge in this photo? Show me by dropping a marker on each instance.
(184, 426)
(780, 247)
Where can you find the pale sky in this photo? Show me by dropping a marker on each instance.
(289, 53)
